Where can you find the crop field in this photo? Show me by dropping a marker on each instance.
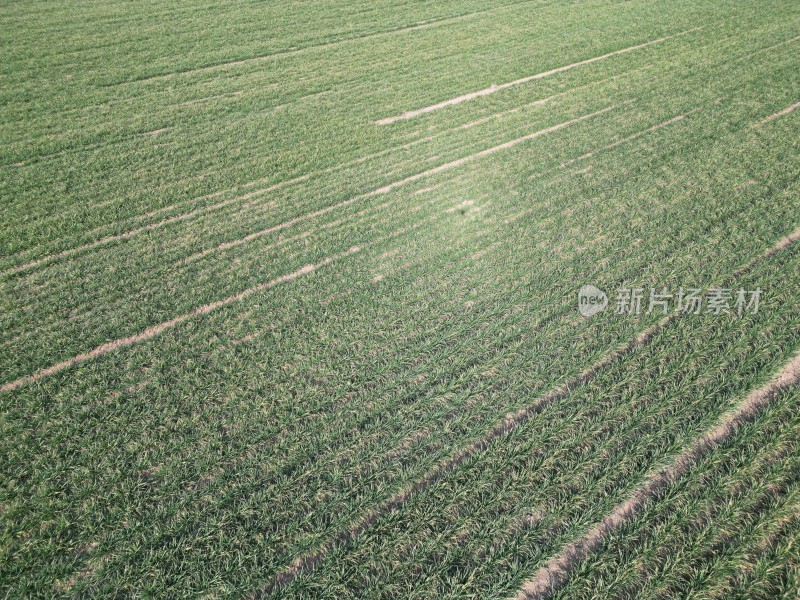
(369, 299)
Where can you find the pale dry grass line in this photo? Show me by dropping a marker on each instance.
(273, 229)
(511, 421)
(155, 212)
(543, 101)
(510, 111)
(489, 151)
(209, 98)
(48, 259)
(132, 389)
(386, 266)
(75, 150)
(558, 568)
(746, 184)
(159, 328)
(272, 204)
(475, 256)
(392, 186)
(496, 88)
(150, 227)
(87, 314)
(210, 477)
(643, 132)
(285, 52)
(155, 330)
(778, 114)
(157, 132)
(614, 144)
(86, 317)
(349, 219)
(772, 47)
(426, 190)
(423, 434)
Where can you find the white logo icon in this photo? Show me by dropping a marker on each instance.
(591, 300)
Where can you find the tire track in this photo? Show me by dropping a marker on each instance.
(110, 239)
(496, 88)
(292, 51)
(558, 568)
(395, 185)
(159, 328)
(309, 561)
(779, 114)
(508, 220)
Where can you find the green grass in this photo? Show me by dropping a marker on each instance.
(210, 457)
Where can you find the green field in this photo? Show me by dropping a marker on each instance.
(289, 299)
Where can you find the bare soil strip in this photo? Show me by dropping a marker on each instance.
(155, 330)
(511, 421)
(558, 568)
(392, 186)
(82, 358)
(496, 88)
(159, 328)
(610, 146)
(785, 111)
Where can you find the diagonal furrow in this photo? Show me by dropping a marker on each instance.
(496, 88)
(559, 567)
(513, 420)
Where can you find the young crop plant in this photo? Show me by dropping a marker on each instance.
(348, 299)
